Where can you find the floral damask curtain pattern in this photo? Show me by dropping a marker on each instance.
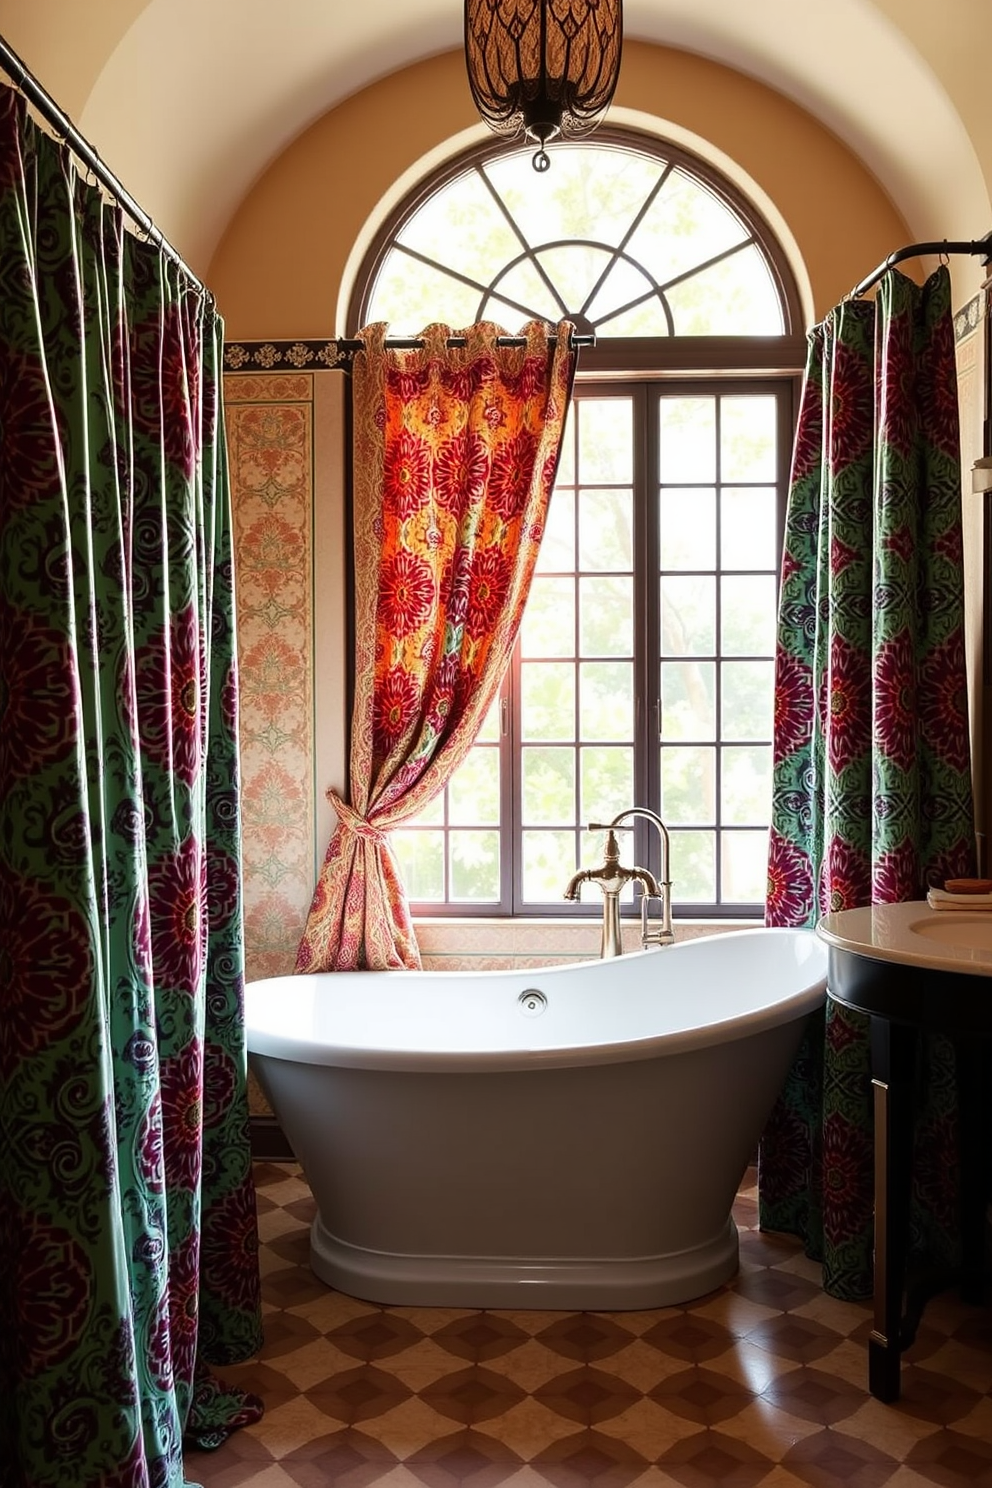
(455, 454)
(872, 797)
(128, 1240)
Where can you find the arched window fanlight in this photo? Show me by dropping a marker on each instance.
(627, 238)
(546, 67)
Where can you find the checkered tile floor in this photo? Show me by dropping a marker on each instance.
(762, 1382)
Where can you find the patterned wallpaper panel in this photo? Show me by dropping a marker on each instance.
(270, 445)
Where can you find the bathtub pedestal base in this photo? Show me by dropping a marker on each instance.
(573, 1285)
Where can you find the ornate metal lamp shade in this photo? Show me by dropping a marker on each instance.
(548, 67)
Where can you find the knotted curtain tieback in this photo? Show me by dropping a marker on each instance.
(350, 820)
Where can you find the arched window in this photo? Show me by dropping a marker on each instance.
(644, 669)
(624, 238)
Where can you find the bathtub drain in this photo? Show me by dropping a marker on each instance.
(532, 1002)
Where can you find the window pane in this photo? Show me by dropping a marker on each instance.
(557, 552)
(548, 859)
(566, 460)
(688, 786)
(521, 284)
(408, 293)
(463, 213)
(607, 782)
(748, 538)
(475, 866)
(747, 438)
(473, 791)
(688, 440)
(625, 283)
(734, 298)
(548, 627)
(606, 700)
(420, 856)
(693, 868)
(574, 269)
(748, 616)
(548, 786)
(605, 446)
(688, 528)
(605, 530)
(746, 786)
(432, 814)
(745, 866)
(648, 319)
(685, 225)
(688, 617)
(596, 193)
(489, 732)
(511, 317)
(606, 617)
(688, 700)
(748, 699)
(547, 700)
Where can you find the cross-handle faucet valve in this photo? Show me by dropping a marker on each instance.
(611, 878)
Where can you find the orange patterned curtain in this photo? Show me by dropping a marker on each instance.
(455, 453)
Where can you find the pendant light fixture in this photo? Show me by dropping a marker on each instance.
(547, 67)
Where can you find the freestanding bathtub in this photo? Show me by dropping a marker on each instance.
(564, 1138)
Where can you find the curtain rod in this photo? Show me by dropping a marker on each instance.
(33, 91)
(348, 345)
(981, 247)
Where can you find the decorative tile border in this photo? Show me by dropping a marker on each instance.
(968, 318)
(239, 356)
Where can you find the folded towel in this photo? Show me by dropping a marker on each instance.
(941, 899)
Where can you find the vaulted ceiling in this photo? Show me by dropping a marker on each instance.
(187, 101)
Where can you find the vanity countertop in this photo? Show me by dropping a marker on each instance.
(913, 934)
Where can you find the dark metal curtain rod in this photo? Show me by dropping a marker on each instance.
(67, 131)
(980, 247)
(348, 345)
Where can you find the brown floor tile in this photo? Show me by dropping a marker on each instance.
(814, 1395)
(790, 1337)
(952, 1459)
(711, 1458)
(589, 1457)
(347, 1458)
(375, 1335)
(587, 1396)
(695, 1339)
(466, 1458)
(358, 1394)
(702, 1396)
(472, 1395)
(480, 1337)
(586, 1336)
(831, 1459)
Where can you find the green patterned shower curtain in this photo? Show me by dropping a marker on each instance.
(872, 799)
(128, 1240)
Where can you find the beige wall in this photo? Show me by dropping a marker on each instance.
(278, 268)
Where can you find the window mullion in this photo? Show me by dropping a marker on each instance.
(511, 790)
(647, 603)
